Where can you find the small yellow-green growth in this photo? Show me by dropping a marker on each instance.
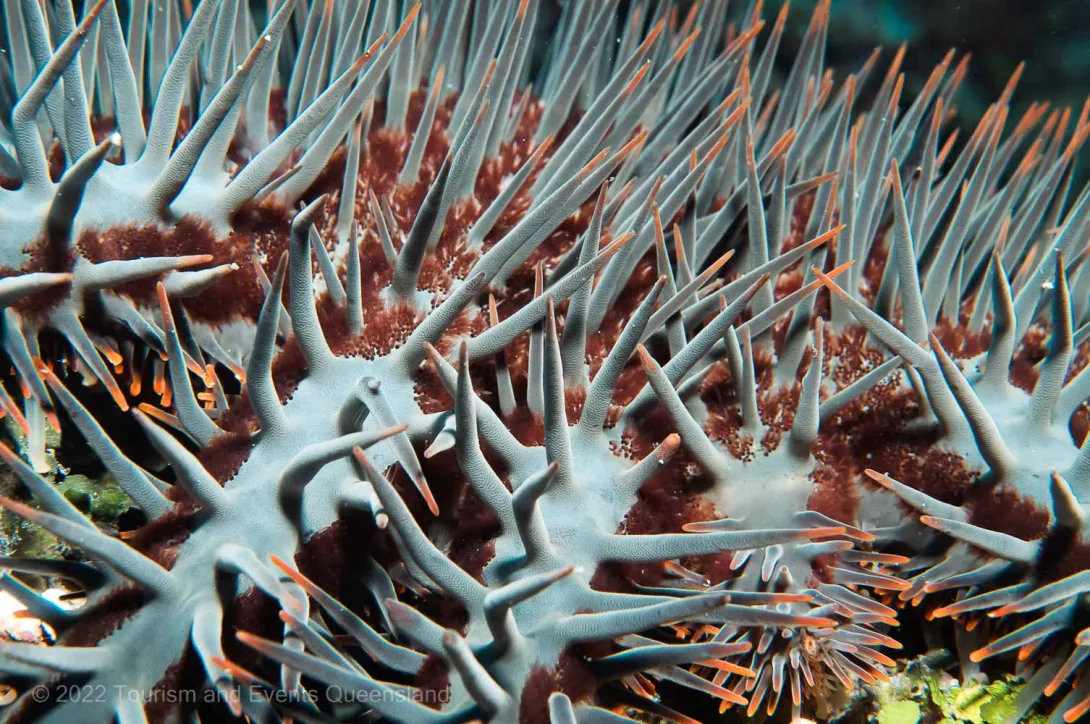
(899, 712)
(103, 499)
(990, 703)
(927, 690)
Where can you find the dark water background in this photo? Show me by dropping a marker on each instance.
(1051, 36)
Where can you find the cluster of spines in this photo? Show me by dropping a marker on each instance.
(793, 137)
(1026, 439)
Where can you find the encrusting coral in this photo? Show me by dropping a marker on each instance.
(603, 370)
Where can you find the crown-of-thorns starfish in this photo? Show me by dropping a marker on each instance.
(585, 346)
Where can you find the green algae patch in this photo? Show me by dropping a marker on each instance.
(980, 703)
(900, 712)
(103, 498)
(927, 690)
